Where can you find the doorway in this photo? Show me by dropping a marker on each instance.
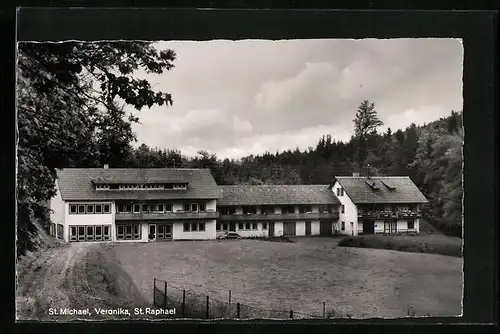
(152, 231)
(308, 228)
(271, 229)
(368, 227)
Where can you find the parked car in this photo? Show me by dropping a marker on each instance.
(229, 235)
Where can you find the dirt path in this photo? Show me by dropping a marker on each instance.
(44, 282)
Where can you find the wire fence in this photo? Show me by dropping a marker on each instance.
(190, 304)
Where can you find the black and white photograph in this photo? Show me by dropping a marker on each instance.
(241, 179)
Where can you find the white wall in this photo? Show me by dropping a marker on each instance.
(209, 233)
(300, 228)
(350, 213)
(57, 213)
(315, 227)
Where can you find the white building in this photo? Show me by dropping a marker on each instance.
(149, 204)
(120, 204)
(378, 204)
(277, 210)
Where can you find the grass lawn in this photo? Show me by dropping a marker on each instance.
(301, 275)
(423, 243)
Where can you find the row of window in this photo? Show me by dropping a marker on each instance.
(128, 232)
(340, 192)
(194, 227)
(89, 208)
(241, 227)
(155, 186)
(90, 233)
(410, 225)
(160, 207)
(247, 210)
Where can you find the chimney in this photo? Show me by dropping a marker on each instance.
(355, 174)
(106, 166)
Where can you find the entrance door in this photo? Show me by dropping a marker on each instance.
(308, 228)
(325, 228)
(168, 231)
(394, 228)
(289, 228)
(152, 231)
(232, 227)
(368, 227)
(271, 229)
(73, 235)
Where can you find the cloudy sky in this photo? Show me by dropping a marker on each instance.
(234, 98)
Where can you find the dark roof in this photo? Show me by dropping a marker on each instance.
(390, 189)
(277, 195)
(75, 184)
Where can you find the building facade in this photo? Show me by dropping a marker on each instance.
(141, 205)
(378, 205)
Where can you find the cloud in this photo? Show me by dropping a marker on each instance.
(240, 97)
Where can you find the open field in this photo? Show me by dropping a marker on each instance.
(301, 275)
(430, 243)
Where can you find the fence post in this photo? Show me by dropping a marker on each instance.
(229, 297)
(291, 314)
(238, 310)
(324, 313)
(165, 302)
(206, 311)
(154, 291)
(183, 302)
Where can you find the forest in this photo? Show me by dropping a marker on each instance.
(71, 112)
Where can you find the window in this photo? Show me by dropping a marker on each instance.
(113, 186)
(341, 191)
(187, 207)
(106, 234)
(72, 208)
(90, 233)
(81, 208)
(106, 208)
(137, 208)
(98, 208)
(168, 208)
(247, 226)
(411, 224)
(98, 233)
(137, 231)
(161, 208)
(338, 191)
(186, 227)
(81, 233)
(128, 207)
(240, 226)
(267, 210)
(288, 209)
(224, 227)
(254, 226)
(264, 226)
(202, 226)
(144, 208)
(343, 226)
(194, 227)
(217, 227)
(60, 231)
(73, 235)
(249, 210)
(203, 207)
(342, 208)
(128, 232)
(305, 209)
(194, 207)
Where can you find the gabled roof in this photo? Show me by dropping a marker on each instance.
(381, 189)
(75, 184)
(277, 195)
